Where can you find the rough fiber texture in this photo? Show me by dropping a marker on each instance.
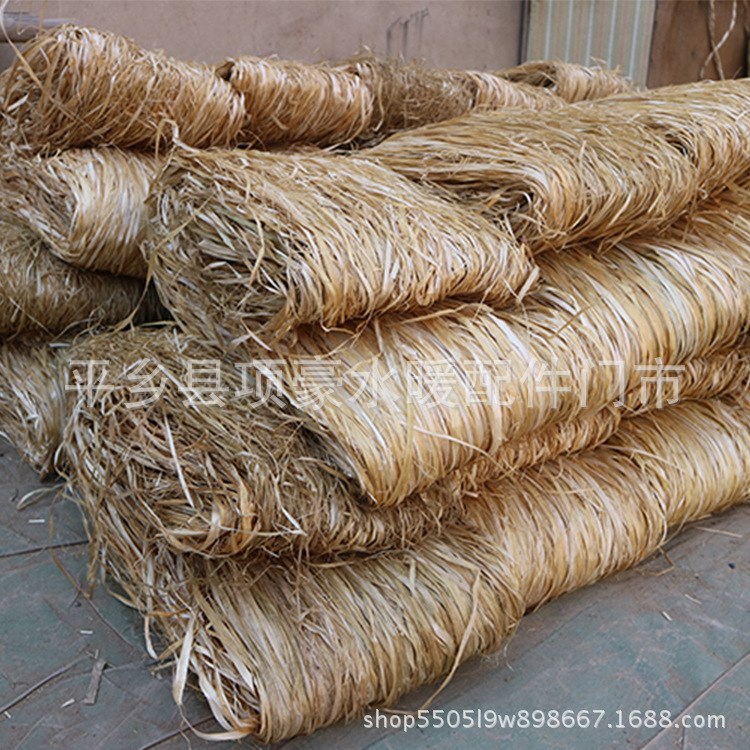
(281, 648)
(409, 400)
(289, 102)
(218, 478)
(222, 478)
(40, 294)
(709, 122)
(570, 81)
(75, 86)
(32, 400)
(251, 245)
(409, 95)
(578, 173)
(88, 205)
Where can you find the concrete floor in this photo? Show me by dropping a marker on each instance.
(673, 634)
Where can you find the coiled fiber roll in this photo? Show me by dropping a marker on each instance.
(407, 401)
(235, 475)
(559, 176)
(32, 400)
(87, 205)
(75, 86)
(40, 294)
(250, 245)
(281, 648)
(570, 81)
(289, 102)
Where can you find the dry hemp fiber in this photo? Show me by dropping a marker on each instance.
(281, 648)
(406, 400)
(216, 473)
(409, 95)
(249, 245)
(289, 102)
(226, 475)
(87, 205)
(40, 294)
(75, 86)
(569, 81)
(709, 122)
(32, 400)
(559, 176)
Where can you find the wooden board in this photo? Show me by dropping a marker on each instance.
(681, 44)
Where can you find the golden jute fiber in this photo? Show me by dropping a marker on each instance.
(709, 122)
(240, 472)
(289, 102)
(408, 400)
(410, 95)
(76, 86)
(570, 81)
(32, 400)
(281, 648)
(40, 294)
(250, 245)
(558, 176)
(87, 205)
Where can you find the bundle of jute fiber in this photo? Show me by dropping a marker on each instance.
(725, 373)
(570, 81)
(248, 244)
(241, 473)
(75, 86)
(40, 294)
(409, 95)
(709, 122)
(87, 205)
(563, 176)
(408, 400)
(32, 400)
(217, 475)
(281, 648)
(290, 102)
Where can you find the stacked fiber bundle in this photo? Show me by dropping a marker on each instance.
(282, 648)
(386, 420)
(269, 483)
(571, 82)
(289, 102)
(87, 205)
(42, 295)
(75, 86)
(599, 170)
(346, 239)
(409, 95)
(682, 296)
(581, 173)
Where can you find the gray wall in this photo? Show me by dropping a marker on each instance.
(481, 34)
